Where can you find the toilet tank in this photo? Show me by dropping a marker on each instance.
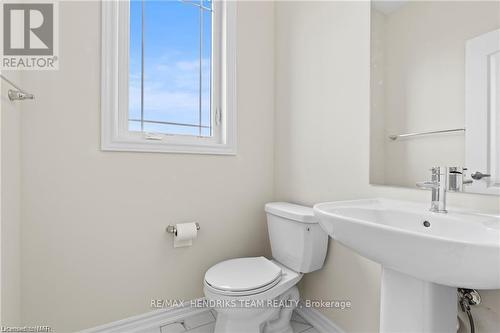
(297, 240)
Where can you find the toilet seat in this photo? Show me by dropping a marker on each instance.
(243, 276)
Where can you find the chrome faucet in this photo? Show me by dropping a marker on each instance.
(444, 179)
(438, 184)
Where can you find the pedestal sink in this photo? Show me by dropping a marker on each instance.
(424, 256)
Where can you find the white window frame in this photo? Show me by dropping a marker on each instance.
(115, 135)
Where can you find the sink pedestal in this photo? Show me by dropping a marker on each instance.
(412, 305)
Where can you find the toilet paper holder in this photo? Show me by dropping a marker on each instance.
(171, 229)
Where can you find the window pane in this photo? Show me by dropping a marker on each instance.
(134, 89)
(158, 127)
(176, 69)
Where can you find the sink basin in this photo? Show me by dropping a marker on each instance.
(425, 256)
(457, 249)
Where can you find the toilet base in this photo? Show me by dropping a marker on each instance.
(247, 321)
(281, 324)
(257, 319)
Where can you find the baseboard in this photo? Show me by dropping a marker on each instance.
(148, 321)
(318, 320)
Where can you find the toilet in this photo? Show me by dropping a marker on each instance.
(258, 295)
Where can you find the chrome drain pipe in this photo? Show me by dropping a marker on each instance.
(466, 299)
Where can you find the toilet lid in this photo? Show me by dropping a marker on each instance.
(243, 274)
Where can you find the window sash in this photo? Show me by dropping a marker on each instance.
(215, 34)
(114, 87)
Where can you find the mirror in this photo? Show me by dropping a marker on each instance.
(435, 92)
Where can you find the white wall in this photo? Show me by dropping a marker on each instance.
(10, 207)
(322, 142)
(378, 133)
(94, 247)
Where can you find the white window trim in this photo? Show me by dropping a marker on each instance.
(114, 90)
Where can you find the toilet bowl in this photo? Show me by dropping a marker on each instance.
(258, 295)
(253, 298)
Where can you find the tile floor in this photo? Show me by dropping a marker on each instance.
(205, 322)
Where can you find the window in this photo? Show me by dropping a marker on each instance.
(168, 76)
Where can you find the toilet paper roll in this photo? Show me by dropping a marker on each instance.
(186, 232)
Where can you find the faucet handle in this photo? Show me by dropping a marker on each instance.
(479, 175)
(427, 184)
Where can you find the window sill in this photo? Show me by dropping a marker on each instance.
(147, 146)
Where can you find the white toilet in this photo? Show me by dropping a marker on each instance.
(250, 294)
